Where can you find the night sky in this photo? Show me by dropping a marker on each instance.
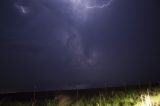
(65, 43)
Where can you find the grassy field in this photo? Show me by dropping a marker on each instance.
(144, 96)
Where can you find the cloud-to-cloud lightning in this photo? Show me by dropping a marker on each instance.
(100, 4)
(91, 3)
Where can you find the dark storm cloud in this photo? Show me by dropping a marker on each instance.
(53, 43)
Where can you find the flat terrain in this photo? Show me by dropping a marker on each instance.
(120, 96)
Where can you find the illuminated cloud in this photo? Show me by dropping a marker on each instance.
(78, 9)
(22, 9)
(79, 56)
(72, 39)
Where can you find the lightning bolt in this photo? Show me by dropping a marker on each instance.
(90, 6)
